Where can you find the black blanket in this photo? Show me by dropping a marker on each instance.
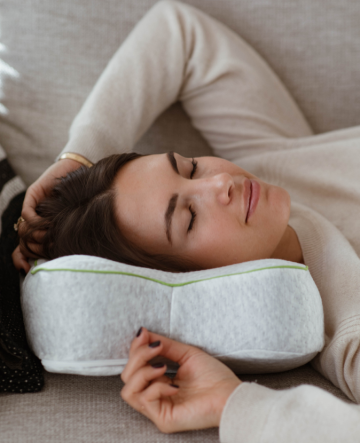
(20, 369)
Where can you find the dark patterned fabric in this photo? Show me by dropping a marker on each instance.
(20, 370)
(6, 173)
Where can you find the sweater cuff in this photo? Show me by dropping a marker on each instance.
(92, 144)
(246, 413)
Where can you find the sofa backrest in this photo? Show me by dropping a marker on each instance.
(52, 53)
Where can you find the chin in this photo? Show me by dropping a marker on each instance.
(281, 200)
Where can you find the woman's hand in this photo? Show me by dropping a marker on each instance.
(203, 384)
(37, 192)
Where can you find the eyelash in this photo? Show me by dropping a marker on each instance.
(192, 212)
(193, 215)
(194, 163)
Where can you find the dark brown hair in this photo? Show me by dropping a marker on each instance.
(79, 218)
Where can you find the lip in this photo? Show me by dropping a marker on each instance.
(247, 195)
(252, 196)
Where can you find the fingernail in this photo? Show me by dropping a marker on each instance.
(154, 344)
(158, 365)
(139, 332)
(174, 385)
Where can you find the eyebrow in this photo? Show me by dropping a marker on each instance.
(168, 215)
(173, 200)
(171, 157)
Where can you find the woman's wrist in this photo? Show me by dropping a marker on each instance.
(226, 392)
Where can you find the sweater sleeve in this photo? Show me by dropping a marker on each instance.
(176, 52)
(255, 414)
(335, 267)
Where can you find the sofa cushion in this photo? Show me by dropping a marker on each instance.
(90, 410)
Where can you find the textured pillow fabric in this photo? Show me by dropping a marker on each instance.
(81, 313)
(20, 370)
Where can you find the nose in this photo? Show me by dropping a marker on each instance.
(218, 186)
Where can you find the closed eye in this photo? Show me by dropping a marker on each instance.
(193, 215)
(194, 163)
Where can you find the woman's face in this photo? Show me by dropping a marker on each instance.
(197, 209)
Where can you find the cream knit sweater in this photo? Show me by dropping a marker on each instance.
(177, 52)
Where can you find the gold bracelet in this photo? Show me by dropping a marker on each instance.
(78, 158)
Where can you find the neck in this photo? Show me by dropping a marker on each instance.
(289, 247)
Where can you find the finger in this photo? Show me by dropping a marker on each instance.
(31, 250)
(139, 358)
(155, 404)
(163, 379)
(171, 349)
(141, 338)
(31, 200)
(37, 236)
(142, 378)
(157, 390)
(28, 213)
(19, 260)
(174, 350)
(36, 193)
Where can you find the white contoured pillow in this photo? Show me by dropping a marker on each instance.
(82, 312)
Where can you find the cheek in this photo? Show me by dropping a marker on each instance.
(217, 243)
(222, 240)
(147, 237)
(217, 166)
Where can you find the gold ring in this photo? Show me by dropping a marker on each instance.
(16, 225)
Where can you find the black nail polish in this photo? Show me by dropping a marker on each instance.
(154, 344)
(139, 332)
(174, 385)
(158, 365)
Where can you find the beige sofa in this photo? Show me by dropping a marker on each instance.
(52, 53)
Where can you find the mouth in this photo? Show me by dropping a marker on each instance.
(249, 203)
(255, 193)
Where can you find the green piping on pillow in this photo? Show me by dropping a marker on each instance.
(34, 271)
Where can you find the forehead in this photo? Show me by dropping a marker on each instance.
(143, 189)
(143, 174)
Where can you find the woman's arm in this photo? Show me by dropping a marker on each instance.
(255, 414)
(176, 52)
(335, 267)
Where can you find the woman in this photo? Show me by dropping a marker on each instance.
(198, 210)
